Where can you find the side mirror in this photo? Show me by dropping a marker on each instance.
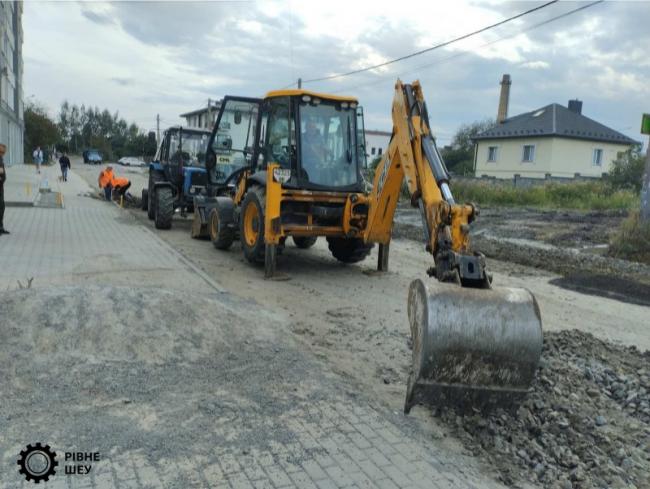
(210, 161)
(223, 142)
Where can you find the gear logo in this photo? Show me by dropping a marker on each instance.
(37, 462)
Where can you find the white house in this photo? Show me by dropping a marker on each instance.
(203, 118)
(376, 143)
(552, 141)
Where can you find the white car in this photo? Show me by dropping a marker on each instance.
(131, 161)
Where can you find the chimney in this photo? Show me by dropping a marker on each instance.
(575, 106)
(502, 114)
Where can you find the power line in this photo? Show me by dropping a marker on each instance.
(464, 53)
(432, 48)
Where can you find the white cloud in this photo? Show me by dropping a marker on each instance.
(536, 65)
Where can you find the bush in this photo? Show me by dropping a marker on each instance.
(595, 195)
(627, 170)
(632, 242)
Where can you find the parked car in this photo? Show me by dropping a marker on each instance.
(92, 157)
(131, 161)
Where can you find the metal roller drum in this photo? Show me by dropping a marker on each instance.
(483, 343)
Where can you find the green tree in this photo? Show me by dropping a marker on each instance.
(459, 155)
(627, 170)
(83, 127)
(40, 130)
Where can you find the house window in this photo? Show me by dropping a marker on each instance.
(528, 155)
(597, 159)
(379, 151)
(492, 153)
(373, 151)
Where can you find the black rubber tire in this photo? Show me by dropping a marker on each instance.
(349, 250)
(254, 253)
(164, 208)
(154, 177)
(304, 242)
(144, 203)
(221, 235)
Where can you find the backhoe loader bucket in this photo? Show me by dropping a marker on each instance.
(471, 347)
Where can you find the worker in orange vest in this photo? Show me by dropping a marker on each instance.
(105, 181)
(121, 185)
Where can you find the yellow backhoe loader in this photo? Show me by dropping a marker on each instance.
(290, 165)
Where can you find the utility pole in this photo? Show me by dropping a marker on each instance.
(645, 184)
(157, 128)
(299, 83)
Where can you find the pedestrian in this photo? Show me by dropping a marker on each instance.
(38, 158)
(64, 161)
(3, 177)
(105, 181)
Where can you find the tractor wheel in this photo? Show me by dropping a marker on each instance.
(304, 242)
(164, 208)
(251, 225)
(349, 250)
(221, 235)
(144, 203)
(154, 177)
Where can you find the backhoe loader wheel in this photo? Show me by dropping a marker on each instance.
(251, 225)
(164, 208)
(349, 250)
(154, 177)
(221, 234)
(304, 242)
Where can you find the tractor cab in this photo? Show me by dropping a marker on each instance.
(181, 157)
(176, 175)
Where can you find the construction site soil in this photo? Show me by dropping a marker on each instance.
(571, 243)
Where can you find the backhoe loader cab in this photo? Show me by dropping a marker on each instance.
(286, 165)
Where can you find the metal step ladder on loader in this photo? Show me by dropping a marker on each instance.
(298, 174)
(176, 175)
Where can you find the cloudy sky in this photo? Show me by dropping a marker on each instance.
(144, 58)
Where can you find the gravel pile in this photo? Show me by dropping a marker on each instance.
(586, 423)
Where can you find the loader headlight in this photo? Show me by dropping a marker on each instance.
(281, 175)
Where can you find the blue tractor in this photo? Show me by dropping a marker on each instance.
(176, 175)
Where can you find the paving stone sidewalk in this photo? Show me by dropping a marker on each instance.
(233, 404)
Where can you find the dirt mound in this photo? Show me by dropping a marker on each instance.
(586, 423)
(148, 325)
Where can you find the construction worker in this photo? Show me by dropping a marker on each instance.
(105, 181)
(121, 185)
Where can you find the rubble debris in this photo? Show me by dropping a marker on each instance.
(586, 423)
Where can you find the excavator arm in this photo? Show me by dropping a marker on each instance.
(472, 343)
(413, 156)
